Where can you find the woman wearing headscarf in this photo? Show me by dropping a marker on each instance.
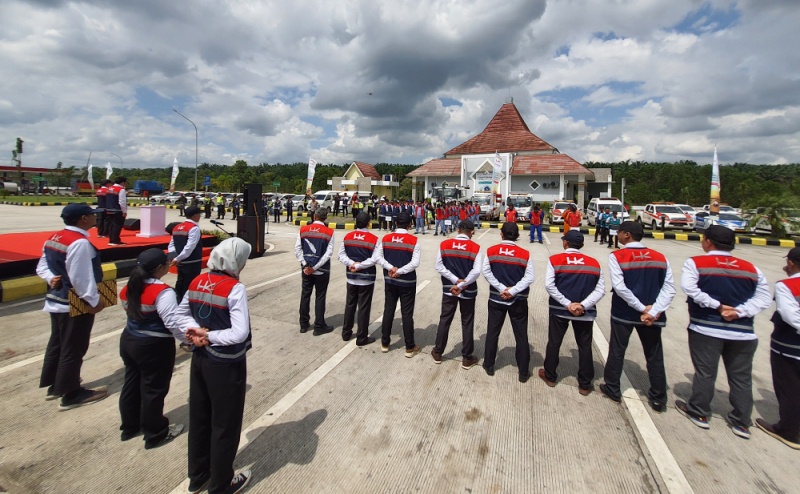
(217, 302)
(147, 348)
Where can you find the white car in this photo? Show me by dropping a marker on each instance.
(667, 214)
(559, 208)
(692, 212)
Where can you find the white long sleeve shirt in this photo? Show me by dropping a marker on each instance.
(366, 263)
(411, 266)
(167, 308)
(787, 306)
(471, 276)
(123, 201)
(664, 298)
(298, 253)
(239, 315)
(522, 284)
(760, 300)
(191, 242)
(587, 303)
(79, 270)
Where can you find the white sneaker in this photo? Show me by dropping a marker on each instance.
(239, 481)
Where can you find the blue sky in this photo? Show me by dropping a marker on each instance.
(399, 82)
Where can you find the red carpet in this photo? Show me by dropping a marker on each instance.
(20, 252)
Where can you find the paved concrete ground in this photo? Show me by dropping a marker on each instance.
(325, 416)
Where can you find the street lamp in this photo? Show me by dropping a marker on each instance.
(121, 164)
(195, 146)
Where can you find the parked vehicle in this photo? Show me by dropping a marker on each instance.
(664, 215)
(297, 201)
(692, 212)
(791, 221)
(522, 203)
(153, 187)
(723, 208)
(325, 197)
(484, 201)
(559, 208)
(598, 204)
(729, 220)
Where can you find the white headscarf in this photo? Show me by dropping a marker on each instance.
(229, 256)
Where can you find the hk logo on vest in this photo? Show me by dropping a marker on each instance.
(460, 246)
(397, 240)
(507, 252)
(641, 256)
(359, 236)
(728, 263)
(576, 260)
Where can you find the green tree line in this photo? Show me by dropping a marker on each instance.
(231, 178)
(742, 184)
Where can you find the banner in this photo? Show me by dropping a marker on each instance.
(174, 175)
(496, 171)
(109, 171)
(90, 171)
(484, 180)
(312, 168)
(713, 207)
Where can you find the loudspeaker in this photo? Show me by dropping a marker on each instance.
(132, 224)
(251, 230)
(251, 204)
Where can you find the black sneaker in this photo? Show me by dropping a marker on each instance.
(51, 395)
(327, 329)
(303, 329)
(173, 431)
(198, 486)
(346, 335)
(607, 393)
(128, 435)
(657, 405)
(83, 397)
(367, 341)
(239, 482)
(489, 371)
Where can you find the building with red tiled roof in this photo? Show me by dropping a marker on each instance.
(364, 177)
(528, 165)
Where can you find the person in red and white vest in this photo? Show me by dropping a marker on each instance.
(724, 295)
(101, 204)
(399, 253)
(643, 288)
(785, 355)
(187, 250)
(509, 270)
(313, 250)
(218, 372)
(116, 210)
(70, 261)
(147, 348)
(359, 255)
(575, 284)
(459, 263)
(511, 214)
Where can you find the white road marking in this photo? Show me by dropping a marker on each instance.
(38, 358)
(665, 462)
(255, 429)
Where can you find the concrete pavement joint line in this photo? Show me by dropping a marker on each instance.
(39, 358)
(668, 467)
(293, 396)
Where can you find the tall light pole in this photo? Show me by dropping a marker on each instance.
(121, 164)
(195, 146)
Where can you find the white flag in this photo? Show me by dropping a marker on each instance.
(715, 185)
(174, 174)
(91, 178)
(109, 171)
(312, 168)
(496, 170)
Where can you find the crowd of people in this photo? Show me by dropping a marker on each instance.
(208, 313)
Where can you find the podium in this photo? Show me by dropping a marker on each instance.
(153, 221)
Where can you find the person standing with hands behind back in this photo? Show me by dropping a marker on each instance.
(185, 243)
(218, 373)
(147, 348)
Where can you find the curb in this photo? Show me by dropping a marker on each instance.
(30, 286)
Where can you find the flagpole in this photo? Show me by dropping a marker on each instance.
(121, 164)
(195, 146)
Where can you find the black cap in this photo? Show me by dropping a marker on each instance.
(466, 225)
(794, 255)
(573, 237)
(632, 227)
(403, 219)
(721, 237)
(151, 259)
(191, 211)
(76, 210)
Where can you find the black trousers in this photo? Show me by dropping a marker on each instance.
(69, 341)
(216, 407)
(182, 210)
(289, 214)
(583, 337)
(650, 336)
(276, 215)
(148, 372)
(738, 359)
(186, 273)
(101, 224)
(518, 314)
(407, 296)
(319, 284)
(449, 305)
(786, 381)
(114, 224)
(358, 297)
(235, 212)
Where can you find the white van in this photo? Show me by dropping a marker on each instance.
(600, 204)
(325, 197)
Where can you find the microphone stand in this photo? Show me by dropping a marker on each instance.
(219, 225)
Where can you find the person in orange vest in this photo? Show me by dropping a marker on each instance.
(459, 264)
(147, 348)
(511, 214)
(509, 270)
(536, 220)
(785, 355)
(441, 216)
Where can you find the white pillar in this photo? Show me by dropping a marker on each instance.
(561, 194)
